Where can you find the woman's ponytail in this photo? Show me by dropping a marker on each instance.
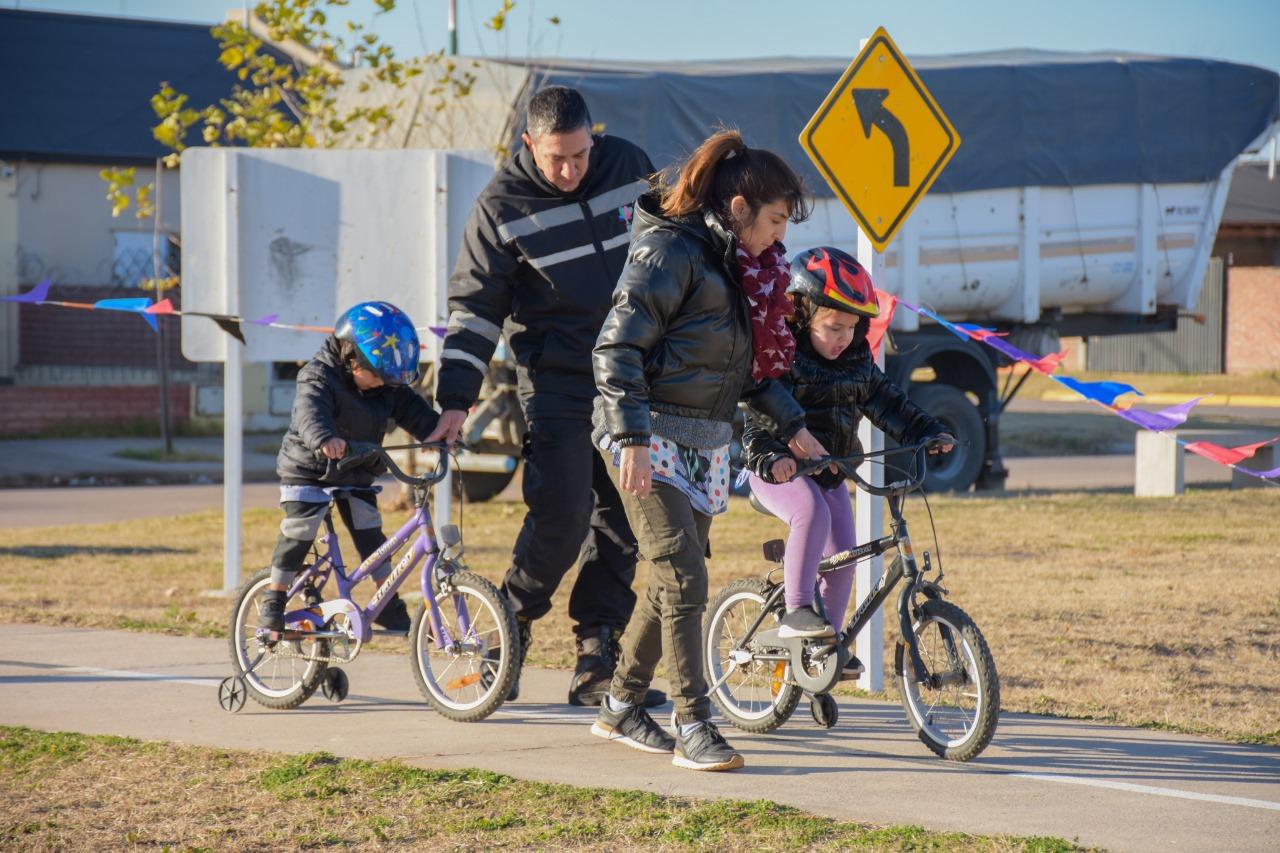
(723, 167)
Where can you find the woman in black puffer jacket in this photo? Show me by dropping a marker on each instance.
(835, 379)
(692, 330)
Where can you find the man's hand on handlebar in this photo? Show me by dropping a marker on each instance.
(334, 448)
(449, 428)
(943, 442)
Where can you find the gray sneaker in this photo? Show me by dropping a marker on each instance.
(633, 727)
(804, 622)
(705, 749)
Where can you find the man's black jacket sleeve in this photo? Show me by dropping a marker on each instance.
(480, 292)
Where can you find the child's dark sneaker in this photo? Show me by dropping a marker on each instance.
(632, 726)
(395, 616)
(852, 670)
(271, 610)
(804, 622)
(705, 748)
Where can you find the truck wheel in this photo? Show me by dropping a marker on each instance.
(957, 470)
(480, 486)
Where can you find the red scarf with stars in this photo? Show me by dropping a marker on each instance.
(764, 281)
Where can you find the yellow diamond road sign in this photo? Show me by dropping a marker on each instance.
(880, 139)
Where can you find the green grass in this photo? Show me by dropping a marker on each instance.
(70, 790)
(157, 454)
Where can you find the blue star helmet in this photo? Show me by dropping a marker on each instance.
(384, 338)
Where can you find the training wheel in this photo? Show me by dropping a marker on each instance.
(335, 685)
(824, 709)
(232, 692)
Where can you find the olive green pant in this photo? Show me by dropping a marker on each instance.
(667, 621)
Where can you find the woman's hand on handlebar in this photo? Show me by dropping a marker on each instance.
(805, 446)
(782, 470)
(943, 442)
(334, 448)
(635, 473)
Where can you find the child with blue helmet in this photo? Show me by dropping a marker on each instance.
(355, 384)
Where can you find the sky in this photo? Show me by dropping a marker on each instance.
(1246, 31)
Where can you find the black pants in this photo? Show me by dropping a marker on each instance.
(302, 522)
(574, 513)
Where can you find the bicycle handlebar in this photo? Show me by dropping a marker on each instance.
(361, 451)
(847, 465)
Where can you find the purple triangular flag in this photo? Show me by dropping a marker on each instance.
(265, 321)
(1161, 420)
(39, 293)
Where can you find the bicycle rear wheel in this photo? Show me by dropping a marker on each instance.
(280, 675)
(957, 718)
(467, 677)
(757, 696)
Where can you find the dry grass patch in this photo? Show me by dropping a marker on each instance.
(65, 791)
(1154, 613)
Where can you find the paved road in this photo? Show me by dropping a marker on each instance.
(102, 504)
(1123, 789)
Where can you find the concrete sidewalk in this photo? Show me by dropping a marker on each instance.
(92, 461)
(1120, 788)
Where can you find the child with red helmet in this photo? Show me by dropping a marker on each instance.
(834, 378)
(357, 382)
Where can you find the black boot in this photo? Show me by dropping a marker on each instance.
(598, 652)
(526, 637)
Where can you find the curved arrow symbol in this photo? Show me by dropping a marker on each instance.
(872, 111)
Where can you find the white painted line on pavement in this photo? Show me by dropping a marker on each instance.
(125, 674)
(1150, 789)
(557, 716)
(145, 676)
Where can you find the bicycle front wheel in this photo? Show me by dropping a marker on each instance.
(956, 718)
(756, 696)
(279, 675)
(467, 672)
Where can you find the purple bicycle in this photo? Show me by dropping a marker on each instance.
(464, 647)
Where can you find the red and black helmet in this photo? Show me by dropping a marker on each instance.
(830, 278)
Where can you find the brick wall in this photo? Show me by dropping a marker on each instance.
(50, 335)
(1253, 319)
(27, 410)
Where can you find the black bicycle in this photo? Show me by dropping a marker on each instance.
(944, 670)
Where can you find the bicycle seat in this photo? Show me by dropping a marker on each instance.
(759, 507)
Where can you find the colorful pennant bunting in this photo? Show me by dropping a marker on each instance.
(1103, 393)
(1227, 455)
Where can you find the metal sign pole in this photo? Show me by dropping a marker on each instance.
(869, 510)
(232, 393)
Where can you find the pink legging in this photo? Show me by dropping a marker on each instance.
(821, 522)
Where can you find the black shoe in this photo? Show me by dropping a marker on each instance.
(804, 622)
(633, 727)
(705, 749)
(598, 653)
(395, 616)
(526, 637)
(852, 670)
(271, 609)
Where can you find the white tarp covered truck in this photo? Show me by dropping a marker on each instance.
(1084, 200)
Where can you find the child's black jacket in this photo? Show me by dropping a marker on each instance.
(834, 395)
(328, 405)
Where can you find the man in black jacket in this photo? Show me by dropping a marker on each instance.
(541, 254)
